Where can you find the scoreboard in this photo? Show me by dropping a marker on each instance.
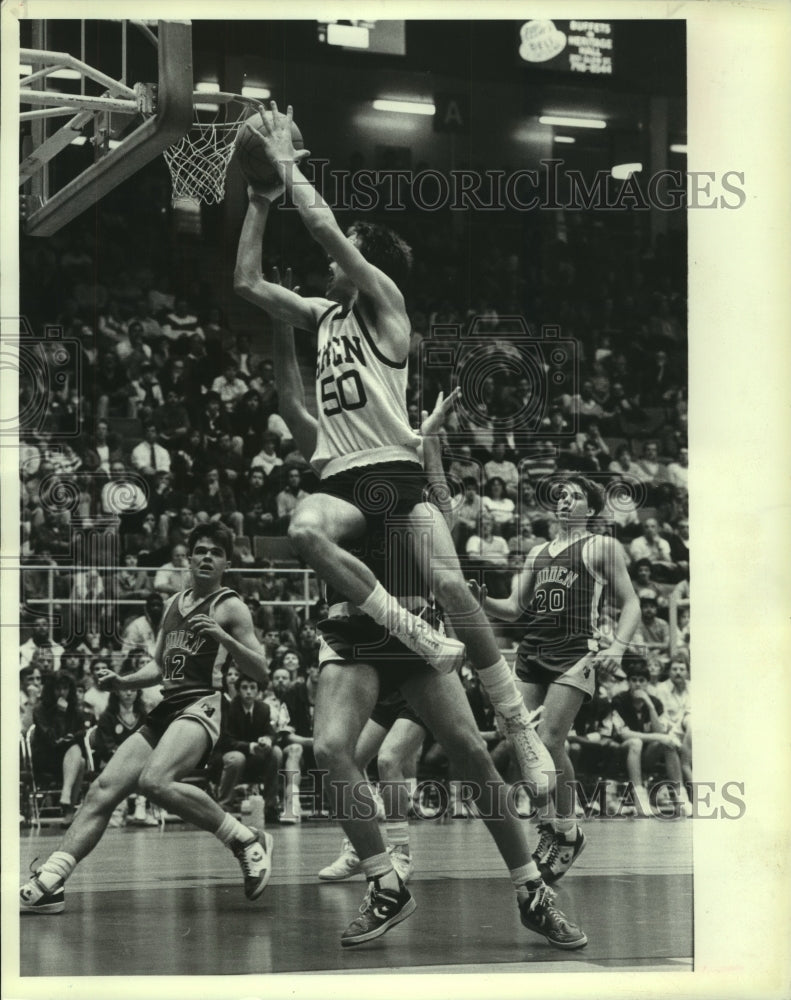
(571, 46)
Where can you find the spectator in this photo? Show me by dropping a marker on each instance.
(592, 435)
(52, 535)
(246, 421)
(467, 515)
(679, 547)
(179, 322)
(125, 714)
(487, 547)
(190, 461)
(263, 381)
(289, 740)
(180, 526)
(623, 465)
(650, 545)
(499, 507)
(652, 636)
(676, 697)
(149, 456)
(464, 466)
(174, 575)
(113, 391)
(228, 386)
(652, 471)
(131, 584)
(289, 498)
(267, 458)
(146, 396)
(646, 586)
(229, 462)
(213, 419)
(56, 745)
(254, 504)
(172, 420)
(499, 467)
(40, 640)
(101, 448)
(31, 684)
(247, 748)
(215, 501)
(643, 731)
(97, 700)
(525, 539)
(677, 472)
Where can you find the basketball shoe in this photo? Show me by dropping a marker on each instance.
(380, 910)
(401, 860)
(442, 652)
(255, 859)
(35, 898)
(344, 866)
(546, 838)
(561, 855)
(539, 914)
(534, 760)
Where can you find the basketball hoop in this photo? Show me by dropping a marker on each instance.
(198, 162)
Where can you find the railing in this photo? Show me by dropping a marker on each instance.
(111, 597)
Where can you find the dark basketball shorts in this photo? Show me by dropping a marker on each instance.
(386, 713)
(359, 640)
(201, 704)
(387, 489)
(581, 674)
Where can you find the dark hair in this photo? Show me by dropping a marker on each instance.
(593, 493)
(492, 481)
(384, 249)
(636, 666)
(49, 693)
(249, 679)
(127, 667)
(215, 532)
(622, 449)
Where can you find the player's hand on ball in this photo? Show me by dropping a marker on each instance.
(274, 134)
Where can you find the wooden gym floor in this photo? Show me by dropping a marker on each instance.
(171, 903)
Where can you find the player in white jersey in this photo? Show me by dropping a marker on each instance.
(366, 449)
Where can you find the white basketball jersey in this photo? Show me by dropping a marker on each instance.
(361, 399)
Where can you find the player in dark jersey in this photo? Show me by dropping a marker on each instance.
(367, 450)
(560, 590)
(200, 624)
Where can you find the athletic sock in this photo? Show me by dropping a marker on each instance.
(564, 825)
(232, 831)
(386, 610)
(520, 876)
(379, 867)
(56, 869)
(398, 833)
(498, 682)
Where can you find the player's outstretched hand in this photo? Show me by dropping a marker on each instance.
(204, 625)
(107, 680)
(433, 422)
(287, 281)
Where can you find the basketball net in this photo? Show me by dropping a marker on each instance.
(198, 162)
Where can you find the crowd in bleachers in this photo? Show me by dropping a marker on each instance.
(177, 422)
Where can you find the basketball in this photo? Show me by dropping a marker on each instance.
(250, 157)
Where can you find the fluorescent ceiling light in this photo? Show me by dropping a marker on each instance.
(206, 107)
(572, 122)
(25, 69)
(623, 171)
(80, 140)
(350, 36)
(678, 147)
(564, 138)
(405, 107)
(206, 87)
(261, 92)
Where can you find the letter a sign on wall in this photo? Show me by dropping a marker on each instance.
(452, 113)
